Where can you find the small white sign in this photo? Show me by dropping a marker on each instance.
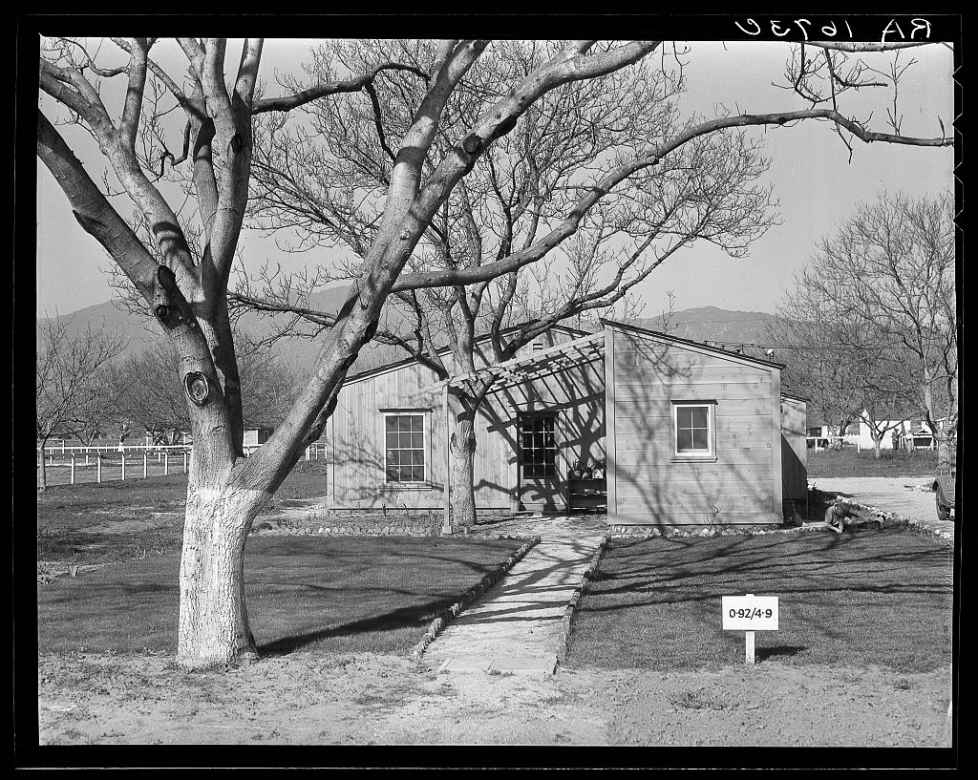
(750, 613)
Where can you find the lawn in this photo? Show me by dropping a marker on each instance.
(326, 594)
(871, 598)
(112, 521)
(849, 463)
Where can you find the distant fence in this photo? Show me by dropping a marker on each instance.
(73, 465)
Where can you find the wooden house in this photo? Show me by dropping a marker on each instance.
(650, 428)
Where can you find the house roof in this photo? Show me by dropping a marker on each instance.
(587, 347)
(698, 345)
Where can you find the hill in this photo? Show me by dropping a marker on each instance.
(723, 327)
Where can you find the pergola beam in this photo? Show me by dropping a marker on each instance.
(522, 366)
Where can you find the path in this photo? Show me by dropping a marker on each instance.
(516, 626)
(908, 497)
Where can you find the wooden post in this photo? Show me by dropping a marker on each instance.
(166, 464)
(145, 464)
(72, 482)
(184, 461)
(86, 456)
(446, 526)
(307, 454)
(98, 466)
(123, 465)
(749, 649)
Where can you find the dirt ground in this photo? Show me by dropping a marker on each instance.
(361, 699)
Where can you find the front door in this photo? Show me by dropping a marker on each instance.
(538, 486)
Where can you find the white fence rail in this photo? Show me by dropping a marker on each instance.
(64, 465)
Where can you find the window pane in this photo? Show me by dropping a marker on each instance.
(684, 417)
(417, 423)
(700, 439)
(417, 440)
(393, 457)
(391, 437)
(699, 415)
(404, 423)
(684, 440)
(417, 457)
(392, 474)
(391, 421)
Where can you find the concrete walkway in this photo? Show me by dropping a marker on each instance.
(907, 497)
(516, 626)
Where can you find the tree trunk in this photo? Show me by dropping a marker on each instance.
(463, 457)
(213, 628)
(877, 443)
(44, 469)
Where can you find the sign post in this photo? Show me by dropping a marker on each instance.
(750, 613)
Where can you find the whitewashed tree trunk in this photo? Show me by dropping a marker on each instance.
(44, 470)
(214, 630)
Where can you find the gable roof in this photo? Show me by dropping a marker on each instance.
(735, 356)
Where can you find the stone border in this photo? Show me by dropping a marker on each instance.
(571, 609)
(673, 532)
(436, 626)
(893, 520)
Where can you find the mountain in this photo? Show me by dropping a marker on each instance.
(722, 327)
(141, 331)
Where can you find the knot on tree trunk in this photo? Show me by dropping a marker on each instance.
(197, 386)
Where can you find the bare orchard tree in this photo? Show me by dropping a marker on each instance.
(187, 290)
(706, 190)
(890, 267)
(151, 402)
(69, 381)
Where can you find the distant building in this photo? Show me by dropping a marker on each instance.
(255, 435)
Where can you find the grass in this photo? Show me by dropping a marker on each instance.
(859, 599)
(891, 463)
(372, 594)
(65, 514)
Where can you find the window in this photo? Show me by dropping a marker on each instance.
(694, 429)
(538, 447)
(404, 447)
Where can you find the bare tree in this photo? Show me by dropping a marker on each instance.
(706, 190)
(890, 269)
(186, 288)
(146, 397)
(69, 386)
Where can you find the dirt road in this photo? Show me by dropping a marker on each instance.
(304, 698)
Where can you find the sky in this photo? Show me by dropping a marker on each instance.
(816, 184)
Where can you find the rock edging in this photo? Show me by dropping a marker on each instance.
(894, 520)
(570, 610)
(436, 626)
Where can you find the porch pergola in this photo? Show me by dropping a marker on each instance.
(539, 364)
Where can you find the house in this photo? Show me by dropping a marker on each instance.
(653, 429)
(255, 435)
(827, 435)
(907, 434)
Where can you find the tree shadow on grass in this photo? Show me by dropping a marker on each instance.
(412, 617)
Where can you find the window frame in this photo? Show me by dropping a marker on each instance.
(525, 419)
(425, 481)
(710, 453)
